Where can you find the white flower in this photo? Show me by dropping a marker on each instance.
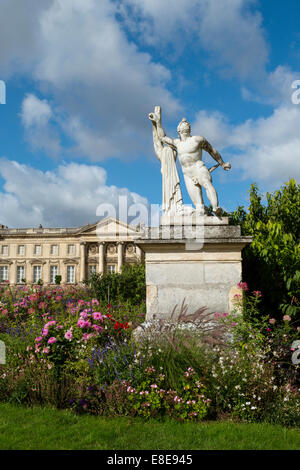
(248, 403)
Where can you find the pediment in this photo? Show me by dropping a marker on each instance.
(110, 229)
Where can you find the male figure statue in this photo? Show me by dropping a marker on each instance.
(196, 175)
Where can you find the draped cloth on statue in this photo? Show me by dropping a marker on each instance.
(171, 191)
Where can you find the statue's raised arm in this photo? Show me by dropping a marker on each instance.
(171, 191)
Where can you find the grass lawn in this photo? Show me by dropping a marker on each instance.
(50, 429)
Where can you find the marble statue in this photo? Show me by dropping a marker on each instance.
(189, 149)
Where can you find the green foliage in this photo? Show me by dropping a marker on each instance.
(271, 263)
(57, 279)
(129, 285)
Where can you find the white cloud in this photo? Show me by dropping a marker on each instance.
(19, 35)
(36, 116)
(266, 149)
(102, 84)
(230, 30)
(77, 51)
(68, 196)
(35, 112)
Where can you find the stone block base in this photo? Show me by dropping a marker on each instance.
(204, 276)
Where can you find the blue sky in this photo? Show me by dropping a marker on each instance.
(82, 76)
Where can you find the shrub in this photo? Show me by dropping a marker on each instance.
(129, 285)
(272, 262)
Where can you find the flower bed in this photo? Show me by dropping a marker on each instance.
(69, 349)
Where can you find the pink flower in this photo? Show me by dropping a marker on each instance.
(298, 328)
(87, 324)
(97, 316)
(46, 350)
(38, 339)
(272, 321)
(84, 314)
(243, 285)
(95, 302)
(45, 332)
(68, 334)
(81, 323)
(49, 366)
(50, 323)
(42, 305)
(217, 315)
(33, 297)
(52, 340)
(97, 328)
(225, 314)
(286, 318)
(59, 327)
(257, 293)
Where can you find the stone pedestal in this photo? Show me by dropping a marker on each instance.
(198, 261)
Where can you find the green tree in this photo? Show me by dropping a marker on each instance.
(271, 263)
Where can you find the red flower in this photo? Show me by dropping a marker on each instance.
(108, 306)
(117, 325)
(126, 326)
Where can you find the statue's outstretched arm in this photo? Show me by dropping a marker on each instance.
(205, 145)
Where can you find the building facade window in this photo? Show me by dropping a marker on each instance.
(3, 273)
(21, 250)
(20, 273)
(37, 273)
(92, 269)
(37, 249)
(71, 249)
(4, 250)
(71, 274)
(54, 250)
(111, 268)
(53, 273)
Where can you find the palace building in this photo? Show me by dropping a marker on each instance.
(31, 254)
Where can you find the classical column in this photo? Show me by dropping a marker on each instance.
(28, 272)
(46, 272)
(101, 257)
(13, 273)
(82, 261)
(62, 272)
(120, 256)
